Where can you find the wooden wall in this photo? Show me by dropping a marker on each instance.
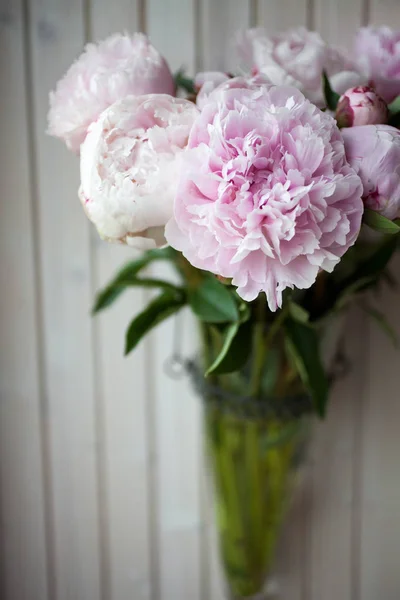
(103, 494)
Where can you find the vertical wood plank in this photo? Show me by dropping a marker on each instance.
(57, 35)
(278, 15)
(334, 498)
(22, 518)
(171, 26)
(384, 12)
(123, 390)
(220, 21)
(380, 500)
(338, 21)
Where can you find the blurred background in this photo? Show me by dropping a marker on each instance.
(103, 493)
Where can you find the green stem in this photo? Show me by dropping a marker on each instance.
(253, 455)
(262, 342)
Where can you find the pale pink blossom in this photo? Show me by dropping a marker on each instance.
(206, 82)
(297, 57)
(377, 50)
(266, 196)
(374, 153)
(130, 163)
(213, 91)
(119, 66)
(361, 105)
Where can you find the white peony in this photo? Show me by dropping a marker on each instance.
(130, 163)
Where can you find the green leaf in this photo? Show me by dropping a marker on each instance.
(394, 120)
(270, 371)
(380, 223)
(157, 311)
(383, 323)
(244, 311)
(127, 275)
(376, 262)
(151, 282)
(298, 313)
(303, 346)
(183, 82)
(394, 107)
(358, 286)
(367, 272)
(213, 302)
(235, 351)
(331, 97)
(394, 112)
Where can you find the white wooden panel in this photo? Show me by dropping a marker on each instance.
(278, 15)
(171, 26)
(57, 37)
(335, 461)
(384, 12)
(22, 535)
(337, 21)
(380, 523)
(219, 24)
(123, 391)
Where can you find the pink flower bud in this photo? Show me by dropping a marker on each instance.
(361, 106)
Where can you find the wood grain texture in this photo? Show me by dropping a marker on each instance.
(380, 485)
(57, 36)
(278, 15)
(337, 21)
(334, 499)
(103, 491)
(22, 508)
(122, 396)
(220, 22)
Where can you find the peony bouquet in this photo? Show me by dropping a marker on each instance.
(262, 190)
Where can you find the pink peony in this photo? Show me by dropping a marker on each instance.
(214, 87)
(206, 82)
(266, 196)
(378, 53)
(361, 106)
(297, 57)
(119, 66)
(130, 161)
(374, 153)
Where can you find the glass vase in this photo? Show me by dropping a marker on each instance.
(254, 449)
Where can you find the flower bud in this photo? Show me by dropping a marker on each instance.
(361, 106)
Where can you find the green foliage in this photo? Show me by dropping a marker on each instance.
(127, 277)
(363, 267)
(380, 223)
(394, 107)
(298, 313)
(235, 351)
(394, 113)
(303, 346)
(157, 311)
(212, 301)
(331, 97)
(183, 82)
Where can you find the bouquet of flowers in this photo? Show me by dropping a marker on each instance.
(275, 195)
